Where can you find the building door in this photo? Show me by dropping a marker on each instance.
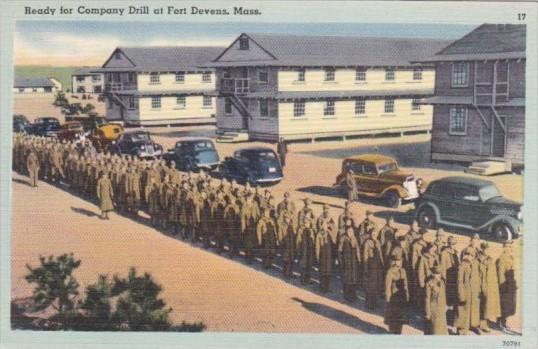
(498, 137)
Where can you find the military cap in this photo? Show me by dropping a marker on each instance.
(451, 240)
(307, 201)
(325, 207)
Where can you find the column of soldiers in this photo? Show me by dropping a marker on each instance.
(470, 288)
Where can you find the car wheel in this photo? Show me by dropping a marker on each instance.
(393, 199)
(502, 232)
(426, 218)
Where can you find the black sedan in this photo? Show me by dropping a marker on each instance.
(257, 166)
(193, 154)
(137, 143)
(44, 126)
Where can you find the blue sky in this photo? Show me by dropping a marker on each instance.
(90, 42)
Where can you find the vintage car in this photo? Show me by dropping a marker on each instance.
(255, 165)
(44, 126)
(71, 131)
(102, 137)
(193, 154)
(20, 123)
(469, 203)
(378, 176)
(89, 121)
(137, 143)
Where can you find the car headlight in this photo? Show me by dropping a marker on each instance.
(419, 182)
(520, 214)
(142, 147)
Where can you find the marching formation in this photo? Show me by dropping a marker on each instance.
(468, 289)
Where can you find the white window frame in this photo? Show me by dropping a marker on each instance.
(206, 77)
(205, 104)
(181, 102)
(392, 102)
(154, 78)
(299, 109)
(451, 114)
(329, 109)
(132, 102)
(390, 72)
(417, 73)
(96, 78)
(260, 81)
(301, 75)
(416, 107)
(465, 72)
(266, 103)
(156, 102)
(361, 74)
(362, 104)
(244, 44)
(329, 75)
(180, 77)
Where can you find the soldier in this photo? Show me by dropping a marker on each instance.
(439, 241)
(232, 224)
(196, 206)
(267, 239)
(425, 265)
(324, 218)
(173, 206)
(324, 256)
(166, 195)
(57, 165)
(133, 197)
(473, 247)
(416, 254)
(105, 195)
(396, 296)
(306, 248)
(286, 205)
(507, 283)
(305, 213)
(342, 219)
(435, 304)
(286, 238)
(468, 314)
(249, 218)
(153, 202)
(32, 165)
(449, 264)
(490, 304)
(372, 261)
(349, 259)
(183, 214)
(217, 209)
(282, 150)
(367, 224)
(387, 234)
(351, 184)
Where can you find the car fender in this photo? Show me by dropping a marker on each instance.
(432, 206)
(510, 221)
(401, 191)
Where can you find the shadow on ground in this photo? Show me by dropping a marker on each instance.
(21, 181)
(84, 211)
(341, 317)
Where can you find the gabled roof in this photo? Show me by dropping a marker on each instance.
(166, 58)
(84, 71)
(488, 41)
(33, 82)
(297, 50)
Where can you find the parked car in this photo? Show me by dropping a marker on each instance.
(137, 143)
(470, 203)
(193, 154)
(378, 176)
(20, 123)
(71, 131)
(89, 121)
(256, 165)
(44, 126)
(104, 136)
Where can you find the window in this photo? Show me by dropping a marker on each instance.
(207, 102)
(81, 89)
(263, 77)
(180, 76)
(298, 109)
(181, 102)
(130, 77)
(301, 75)
(459, 74)
(243, 43)
(390, 74)
(117, 55)
(417, 74)
(96, 78)
(415, 104)
(132, 101)
(264, 108)
(206, 77)
(329, 74)
(156, 102)
(154, 78)
(21, 89)
(244, 73)
(360, 74)
(228, 106)
(458, 121)
(329, 108)
(360, 107)
(34, 90)
(81, 78)
(389, 106)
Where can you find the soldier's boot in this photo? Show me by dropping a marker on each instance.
(484, 326)
(462, 331)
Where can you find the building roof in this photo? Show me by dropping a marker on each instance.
(339, 94)
(166, 58)
(163, 93)
(85, 71)
(375, 158)
(33, 82)
(488, 41)
(297, 50)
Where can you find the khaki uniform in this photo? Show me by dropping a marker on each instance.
(396, 297)
(32, 165)
(435, 307)
(373, 270)
(324, 257)
(507, 286)
(468, 314)
(267, 240)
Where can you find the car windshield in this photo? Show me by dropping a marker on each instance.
(260, 155)
(202, 145)
(140, 137)
(489, 192)
(391, 166)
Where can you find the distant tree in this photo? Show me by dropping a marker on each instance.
(55, 286)
(72, 109)
(60, 100)
(138, 307)
(88, 108)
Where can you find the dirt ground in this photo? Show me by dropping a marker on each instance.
(200, 285)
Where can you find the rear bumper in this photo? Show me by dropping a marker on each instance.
(268, 180)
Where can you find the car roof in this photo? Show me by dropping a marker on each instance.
(375, 158)
(132, 132)
(255, 149)
(475, 182)
(193, 139)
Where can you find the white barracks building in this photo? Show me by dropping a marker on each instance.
(160, 85)
(315, 87)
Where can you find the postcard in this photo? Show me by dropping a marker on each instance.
(270, 174)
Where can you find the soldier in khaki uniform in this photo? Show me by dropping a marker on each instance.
(306, 248)
(435, 304)
(152, 198)
(32, 165)
(490, 303)
(367, 224)
(396, 296)
(468, 314)
(218, 208)
(249, 217)
(373, 269)
(105, 195)
(425, 265)
(507, 283)
(232, 225)
(287, 239)
(305, 213)
(349, 257)
(417, 250)
(266, 233)
(286, 205)
(449, 270)
(324, 255)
